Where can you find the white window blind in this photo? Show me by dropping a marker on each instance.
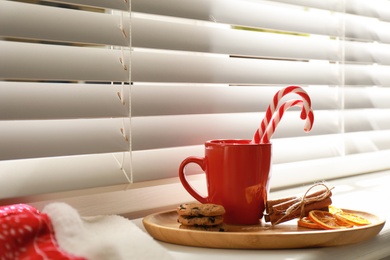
(199, 70)
(64, 96)
(208, 69)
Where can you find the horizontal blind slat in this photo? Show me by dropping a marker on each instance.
(27, 100)
(44, 23)
(46, 138)
(58, 174)
(366, 119)
(375, 8)
(367, 142)
(112, 4)
(211, 99)
(312, 171)
(51, 62)
(164, 67)
(257, 14)
(367, 52)
(367, 29)
(162, 34)
(356, 74)
(333, 145)
(195, 129)
(366, 97)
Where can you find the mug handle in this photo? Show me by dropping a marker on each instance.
(183, 178)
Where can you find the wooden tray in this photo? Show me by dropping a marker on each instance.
(163, 226)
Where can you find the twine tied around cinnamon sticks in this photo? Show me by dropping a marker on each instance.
(281, 210)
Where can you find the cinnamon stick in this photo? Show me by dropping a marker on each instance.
(280, 205)
(271, 203)
(284, 209)
(280, 217)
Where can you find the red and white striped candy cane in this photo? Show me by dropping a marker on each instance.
(272, 107)
(306, 110)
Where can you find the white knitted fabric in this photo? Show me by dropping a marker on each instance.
(101, 237)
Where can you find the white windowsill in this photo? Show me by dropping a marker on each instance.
(365, 192)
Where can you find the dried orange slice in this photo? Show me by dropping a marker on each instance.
(308, 223)
(352, 219)
(327, 220)
(334, 210)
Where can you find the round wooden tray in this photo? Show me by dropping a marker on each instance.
(163, 226)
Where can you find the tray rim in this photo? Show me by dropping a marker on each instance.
(157, 232)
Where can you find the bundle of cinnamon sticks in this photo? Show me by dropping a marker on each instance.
(284, 209)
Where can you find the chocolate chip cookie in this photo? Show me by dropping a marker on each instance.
(200, 210)
(200, 221)
(218, 228)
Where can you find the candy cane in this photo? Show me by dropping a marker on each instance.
(306, 110)
(272, 107)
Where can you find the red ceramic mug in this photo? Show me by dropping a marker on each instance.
(237, 174)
